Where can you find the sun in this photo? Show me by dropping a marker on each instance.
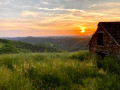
(82, 28)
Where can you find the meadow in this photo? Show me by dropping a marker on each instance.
(58, 71)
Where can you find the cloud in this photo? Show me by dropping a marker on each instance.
(45, 3)
(68, 20)
(106, 4)
(57, 15)
(3, 3)
(29, 13)
(53, 9)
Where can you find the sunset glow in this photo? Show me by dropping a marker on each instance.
(82, 29)
(55, 17)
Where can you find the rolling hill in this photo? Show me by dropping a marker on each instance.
(7, 47)
(67, 43)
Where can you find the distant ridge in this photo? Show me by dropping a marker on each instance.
(68, 43)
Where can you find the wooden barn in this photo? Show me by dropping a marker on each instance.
(106, 40)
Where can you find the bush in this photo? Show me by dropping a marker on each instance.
(7, 49)
(83, 55)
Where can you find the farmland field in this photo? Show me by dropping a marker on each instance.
(59, 71)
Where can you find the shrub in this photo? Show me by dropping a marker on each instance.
(8, 49)
(80, 56)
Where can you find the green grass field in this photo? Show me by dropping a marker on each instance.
(58, 71)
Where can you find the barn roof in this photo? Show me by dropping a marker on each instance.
(113, 28)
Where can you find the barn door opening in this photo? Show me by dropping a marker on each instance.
(100, 55)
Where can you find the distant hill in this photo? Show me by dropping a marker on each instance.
(71, 43)
(7, 47)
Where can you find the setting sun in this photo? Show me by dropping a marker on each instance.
(82, 29)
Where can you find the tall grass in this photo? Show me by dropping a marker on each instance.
(59, 71)
(109, 64)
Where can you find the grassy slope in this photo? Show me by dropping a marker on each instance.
(69, 71)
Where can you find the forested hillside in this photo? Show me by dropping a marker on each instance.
(7, 47)
(63, 43)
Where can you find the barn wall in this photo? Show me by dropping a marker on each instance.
(109, 47)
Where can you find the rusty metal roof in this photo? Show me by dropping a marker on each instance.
(113, 28)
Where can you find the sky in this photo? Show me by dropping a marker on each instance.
(55, 17)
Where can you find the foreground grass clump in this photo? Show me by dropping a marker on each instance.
(37, 71)
(83, 55)
(109, 64)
